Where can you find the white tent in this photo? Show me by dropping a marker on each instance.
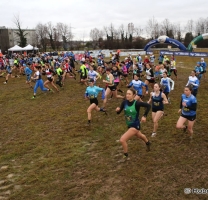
(16, 48)
(29, 47)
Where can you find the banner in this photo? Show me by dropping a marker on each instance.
(149, 52)
(166, 52)
(198, 54)
(181, 53)
(184, 53)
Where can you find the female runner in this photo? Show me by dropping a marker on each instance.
(158, 99)
(188, 111)
(131, 111)
(91, 93)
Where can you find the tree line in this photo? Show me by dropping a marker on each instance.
(59, 36)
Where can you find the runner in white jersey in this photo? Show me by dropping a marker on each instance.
(92, 74)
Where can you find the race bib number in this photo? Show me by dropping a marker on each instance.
(186, 109)
(156, 103)
(128, 118)
(92, 96)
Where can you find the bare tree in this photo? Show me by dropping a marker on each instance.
(41, 32)
(20, 33)
(152, 28)
(63, 34)
(167, 27)
(96, 35)
(201, 26)
(176, 30)
(50, 32)
(138, 31)
(189, 26)
(121, 32)
(111, 29)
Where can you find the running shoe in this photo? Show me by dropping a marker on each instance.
(105, 111)
(33, 97)
(169, 101)
(5, 82)
(184, 129)
(148, 146)
(124, 159)
(153, 134)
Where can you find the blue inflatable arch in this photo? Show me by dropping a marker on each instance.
(166, 40)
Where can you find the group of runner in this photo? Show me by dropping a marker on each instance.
(156, 77)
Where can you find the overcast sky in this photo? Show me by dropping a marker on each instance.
(84, 15)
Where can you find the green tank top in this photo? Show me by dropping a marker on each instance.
(131, 115)
(108, 79)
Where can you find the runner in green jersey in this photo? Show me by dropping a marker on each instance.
(131, 110)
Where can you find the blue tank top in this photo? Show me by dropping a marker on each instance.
(157, 101)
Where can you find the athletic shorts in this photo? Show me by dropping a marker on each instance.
(116, 83)
(94, 101)
(112, 88)
(50, 79)
(136, 126)
(83, 76)
(189, 118)
(151, 80)
(156, 109)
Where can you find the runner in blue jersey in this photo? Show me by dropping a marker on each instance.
(167, 84)
(138, 85)
(193, 82)
(204, 66)
(158, 99)
(28, 73)
(199, 70)
(187, 109)
(131, 110)
(91, 93)
(9, 72)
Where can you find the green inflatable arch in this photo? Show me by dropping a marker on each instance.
(196, 40)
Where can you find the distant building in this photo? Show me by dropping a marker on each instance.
(8, 38)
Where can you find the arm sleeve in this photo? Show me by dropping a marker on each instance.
(130, 85)
(146, 86)
(86, 93)
(103, 94)
(192, 107)
(152, 74)
(173, 83)
(143, 104)
(121, 107)
(196, 83)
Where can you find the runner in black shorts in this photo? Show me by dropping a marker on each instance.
(158, 99)
(50, 79)
(188, 111)
(111, 87)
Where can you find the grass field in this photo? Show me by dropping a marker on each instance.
(48, 152)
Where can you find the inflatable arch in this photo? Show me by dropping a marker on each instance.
(196, 40)
(166, 40)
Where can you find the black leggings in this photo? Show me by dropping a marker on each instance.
(174, 71)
